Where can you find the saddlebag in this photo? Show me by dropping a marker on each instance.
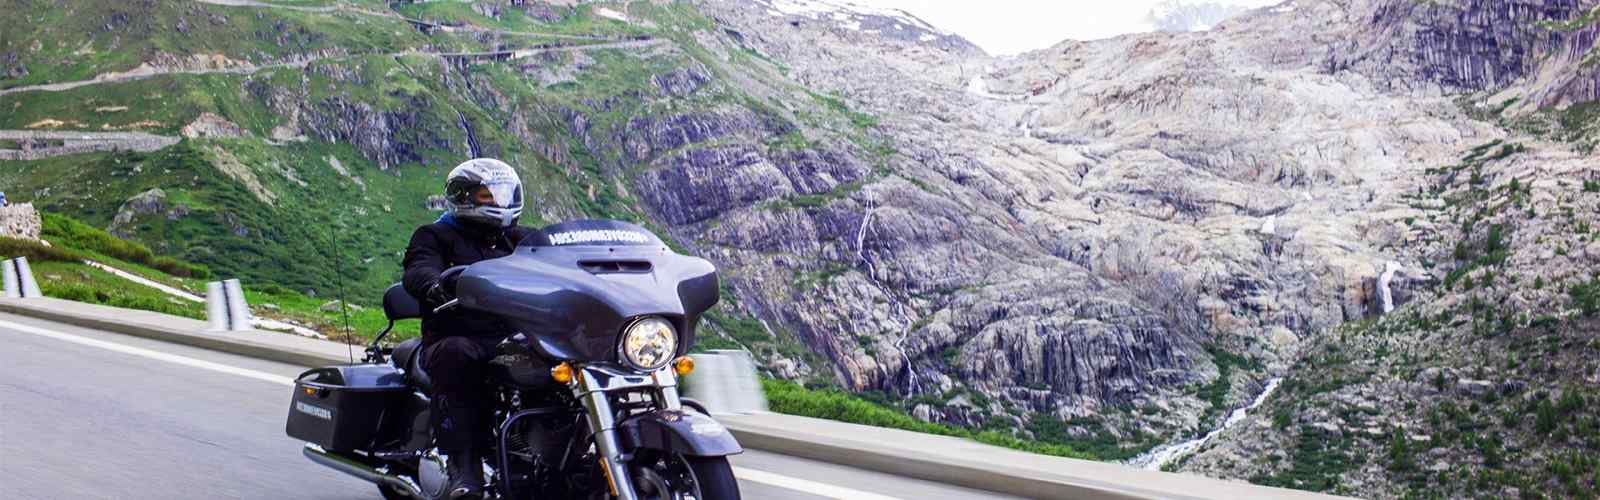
(344, 408)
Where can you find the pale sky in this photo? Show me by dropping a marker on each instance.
(1012, 26)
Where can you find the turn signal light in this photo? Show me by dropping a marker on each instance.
(683, 365)
(562, 373)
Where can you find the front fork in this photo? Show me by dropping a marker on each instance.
(592, 386)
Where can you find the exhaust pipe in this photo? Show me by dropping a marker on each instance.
(349, 465)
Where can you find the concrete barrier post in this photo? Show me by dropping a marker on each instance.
(238, 308)
(25, 282)
(12, 290)
(216, 306)
(725, 381)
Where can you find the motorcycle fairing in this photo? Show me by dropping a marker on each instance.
(572, 301)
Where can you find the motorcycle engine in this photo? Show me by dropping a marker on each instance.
(541, 440)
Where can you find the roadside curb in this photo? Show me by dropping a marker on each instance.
(970, 475)
(228, 342)
(940, 459)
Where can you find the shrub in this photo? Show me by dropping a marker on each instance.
(35, 251)
(63, 230)
(1586, 297)
(69, 232)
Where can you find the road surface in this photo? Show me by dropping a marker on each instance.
(89, 414)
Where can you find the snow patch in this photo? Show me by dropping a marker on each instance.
(279, 326)
(609, 13)
(146, 282)
(838, 10)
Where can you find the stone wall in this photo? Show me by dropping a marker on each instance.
(78, 142)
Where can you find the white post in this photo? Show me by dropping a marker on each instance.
(26, 284)
(12, 290)
(216, 306)
(747, 392)
(725, 382)
(238, 309)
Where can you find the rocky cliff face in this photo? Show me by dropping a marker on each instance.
(1087, 226)
(1068, 230)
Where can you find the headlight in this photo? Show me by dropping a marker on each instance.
(649, 344)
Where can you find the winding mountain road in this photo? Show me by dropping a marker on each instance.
(86, 414)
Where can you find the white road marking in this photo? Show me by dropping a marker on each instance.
(804, 486)
(743, 474)
(147, 353)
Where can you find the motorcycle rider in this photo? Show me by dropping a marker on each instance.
(485, 199)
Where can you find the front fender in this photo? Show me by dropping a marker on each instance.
(678, 431)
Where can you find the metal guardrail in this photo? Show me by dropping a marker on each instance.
(226, 307)
(19, 282)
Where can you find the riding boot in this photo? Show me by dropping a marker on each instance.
(453, 433)
(466, 476)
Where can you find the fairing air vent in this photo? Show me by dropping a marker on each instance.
(615, 266)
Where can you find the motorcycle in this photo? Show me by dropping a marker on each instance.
(601, 314)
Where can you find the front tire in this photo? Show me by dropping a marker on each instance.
(715, 476)
(674, 476)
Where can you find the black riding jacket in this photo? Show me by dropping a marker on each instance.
(445, 244)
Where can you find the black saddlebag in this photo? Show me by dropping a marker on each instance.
(344, 408)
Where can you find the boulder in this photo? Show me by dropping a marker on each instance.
(211, 126)
(19, 221)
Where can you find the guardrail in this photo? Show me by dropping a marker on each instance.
(902, 453)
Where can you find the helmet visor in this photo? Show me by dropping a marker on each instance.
(507, 193)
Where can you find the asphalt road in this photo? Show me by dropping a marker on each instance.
(89, 414)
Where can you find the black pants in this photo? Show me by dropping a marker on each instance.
(461, 397)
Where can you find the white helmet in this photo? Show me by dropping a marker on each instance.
(502, 182)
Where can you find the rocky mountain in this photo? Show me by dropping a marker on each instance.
(1107, 244)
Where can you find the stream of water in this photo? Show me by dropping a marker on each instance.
(1166, 453)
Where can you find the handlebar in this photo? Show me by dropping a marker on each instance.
(447, 306)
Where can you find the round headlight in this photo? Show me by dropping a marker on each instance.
(649, 344)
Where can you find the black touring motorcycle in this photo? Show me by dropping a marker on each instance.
(601, 315)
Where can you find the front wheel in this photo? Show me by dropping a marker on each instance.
(673, 476)
(716, 479)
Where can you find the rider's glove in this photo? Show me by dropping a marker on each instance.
(437, 295)
(444, 289)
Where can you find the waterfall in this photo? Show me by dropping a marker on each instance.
(1162, 455)
(472, 138)
(1384, 295)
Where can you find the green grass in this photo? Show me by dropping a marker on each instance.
(1586, 297)
(833, 404)
(581, 20)
(1317, 464)
(81, 39)
(63, 230)
(36, 252)
(79, 282)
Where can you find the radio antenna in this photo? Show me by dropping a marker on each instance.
(344, 305)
